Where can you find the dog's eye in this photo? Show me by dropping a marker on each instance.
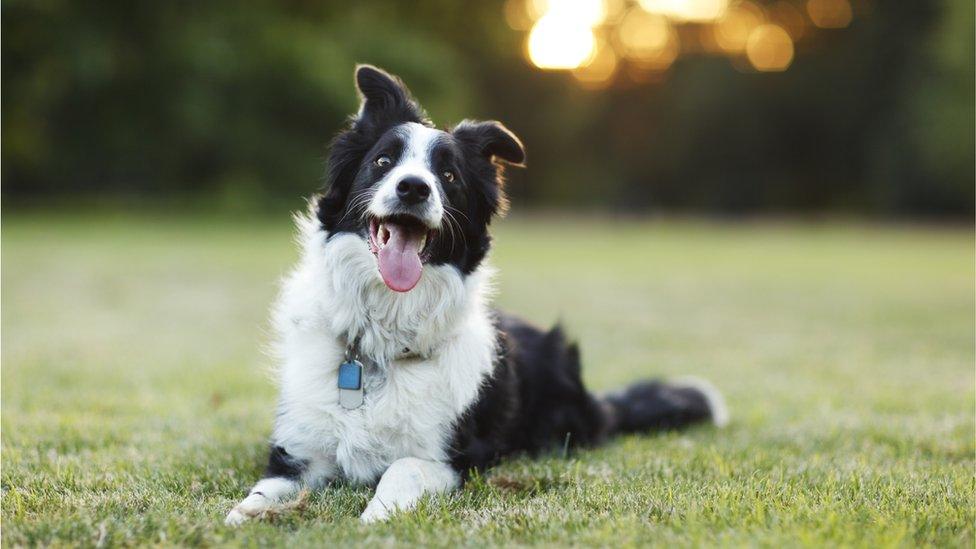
(449, 176)
(382, 161)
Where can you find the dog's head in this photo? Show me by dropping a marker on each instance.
(417, 195)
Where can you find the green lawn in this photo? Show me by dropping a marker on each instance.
(136, 403)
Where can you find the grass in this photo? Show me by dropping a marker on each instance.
(136, 405)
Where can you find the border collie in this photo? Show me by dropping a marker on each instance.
(394, 370)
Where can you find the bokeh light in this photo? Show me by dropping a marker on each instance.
(559, 42)
(645, 36)
(598, 39)
(732, 31)
(613, 10)
(661, 60)
(830, 14)
(599, 72)
(536, 8)
(770, 48)
(687, 10)
(517, 15)
(586, 12)
(788, 15)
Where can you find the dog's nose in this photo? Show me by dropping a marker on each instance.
(413, 190)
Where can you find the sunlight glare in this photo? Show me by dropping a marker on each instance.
(686, 10)
(588, 12)
(599, 72)
(558, 42)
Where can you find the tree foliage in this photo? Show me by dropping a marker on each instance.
(235, 102)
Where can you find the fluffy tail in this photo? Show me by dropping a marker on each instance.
(657, 405)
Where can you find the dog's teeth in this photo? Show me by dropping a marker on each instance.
(423, 240)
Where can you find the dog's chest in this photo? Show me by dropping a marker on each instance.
(409, 409)
(405, 413)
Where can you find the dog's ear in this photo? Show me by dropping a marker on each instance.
(386, 101)
(492, 140)
(489, 142)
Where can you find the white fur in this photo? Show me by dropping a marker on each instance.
(265, 494)
(411, 402)
(414, 162)
(716, 402)
(404, 483)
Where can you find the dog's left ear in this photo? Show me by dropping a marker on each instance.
(386, 101)
(492, 140)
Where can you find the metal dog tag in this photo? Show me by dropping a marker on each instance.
(351, 384)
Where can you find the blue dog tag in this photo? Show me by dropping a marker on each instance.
(350, 375)
(351, 384)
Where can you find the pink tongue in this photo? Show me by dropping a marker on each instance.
(399, 260)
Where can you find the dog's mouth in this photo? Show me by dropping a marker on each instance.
(401, 244)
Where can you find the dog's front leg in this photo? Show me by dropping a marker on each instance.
(285, 476)
(263, 497)
(405, 482)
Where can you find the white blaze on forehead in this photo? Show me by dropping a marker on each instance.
(414, 161)
(418, 141)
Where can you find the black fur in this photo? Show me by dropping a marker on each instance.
(473, 151)
(535, 400)
(386, 104)
(281, 464)
(653, 405)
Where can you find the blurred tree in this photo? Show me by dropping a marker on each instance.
(164, 101)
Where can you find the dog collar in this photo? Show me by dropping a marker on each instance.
(351, 382)
(350, 379)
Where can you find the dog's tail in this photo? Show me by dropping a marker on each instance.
(664, 405)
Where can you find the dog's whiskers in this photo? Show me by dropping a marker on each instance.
(451, 222)
(359, 202)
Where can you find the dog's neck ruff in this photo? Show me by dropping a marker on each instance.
(351, 302)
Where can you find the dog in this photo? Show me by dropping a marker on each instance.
(394, 370)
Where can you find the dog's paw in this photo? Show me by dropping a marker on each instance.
(235, 518)
(253, 506)
(376, 511)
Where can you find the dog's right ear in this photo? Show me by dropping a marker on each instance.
(386, 101)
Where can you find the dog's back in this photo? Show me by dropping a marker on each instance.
(535, 401)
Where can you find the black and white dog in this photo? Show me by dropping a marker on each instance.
(393, 367)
